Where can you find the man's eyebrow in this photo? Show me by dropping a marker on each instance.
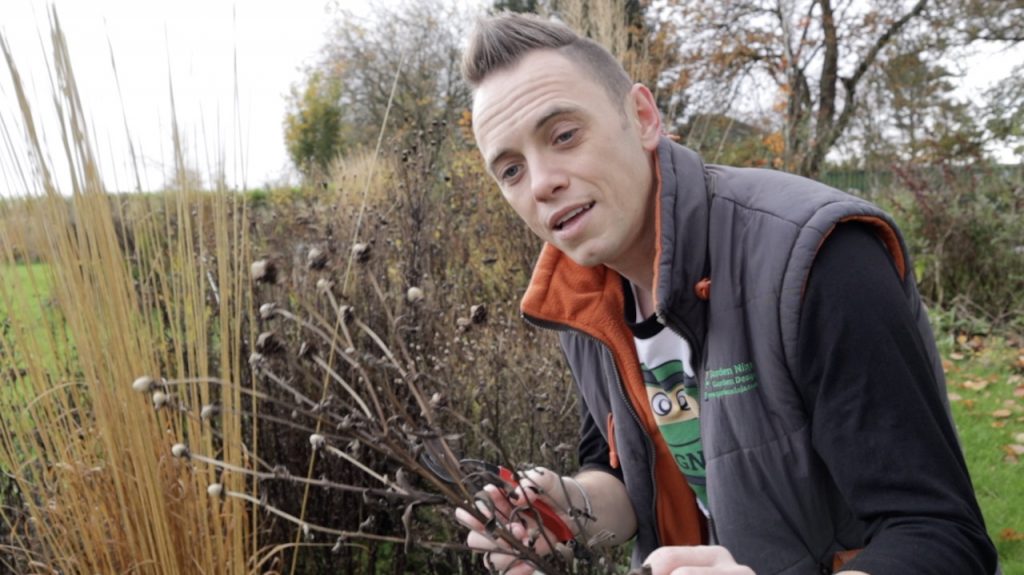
(551, 114)
(554, 113)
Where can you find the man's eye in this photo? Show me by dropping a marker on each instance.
(510, 172)
(565, 136)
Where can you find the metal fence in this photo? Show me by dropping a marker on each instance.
(868, 182)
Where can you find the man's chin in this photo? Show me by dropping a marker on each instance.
(584, 259)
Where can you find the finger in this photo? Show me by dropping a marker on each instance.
(668, 560)
(539, 481)
(484, 541)
(500, 502)
(521, 568)
(542, 477)
(713, 570)
(480, 542)
(467, 520)
(691, 556)
(501, 560)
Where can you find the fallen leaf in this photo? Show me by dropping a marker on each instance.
(1011, 404)
(1011, 534)
(1020, 361)
(969, 404)
(998, 424)
(976, 343)
(1002, 413)
(976, 385)
(946, 365)
(1015, 379)
(1011, 459)
(1019, 392)
(954, 397)
(1019, 438)
(956, 356)
(1014, 448)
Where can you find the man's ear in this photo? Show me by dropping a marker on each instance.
(644, 112)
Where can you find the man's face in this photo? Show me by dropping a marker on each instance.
(575, 166)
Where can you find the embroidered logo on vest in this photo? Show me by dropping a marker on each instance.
(732, 380)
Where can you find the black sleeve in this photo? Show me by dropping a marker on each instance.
(877, 419)
(593, 449)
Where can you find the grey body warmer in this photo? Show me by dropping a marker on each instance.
(755, 234)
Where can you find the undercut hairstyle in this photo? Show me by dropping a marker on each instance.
(501, 41)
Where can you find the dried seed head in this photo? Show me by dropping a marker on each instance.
(478, 313)
(267, 310)
(414, 294)
(208, 411)
(215, 490)
(435, 399)
(361, 252)
(317, 441)
(316, 259)
(256, 359)
(263, 271)
(179, 450)
(267, 343)
(366, 523)
(324, 286)
(143, 384)
(159, 399)
(463, 323)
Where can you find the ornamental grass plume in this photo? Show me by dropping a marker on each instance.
(82, 452)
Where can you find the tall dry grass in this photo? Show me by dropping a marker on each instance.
(159, 294)
(395, 280)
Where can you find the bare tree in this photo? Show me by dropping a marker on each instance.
(815, 53)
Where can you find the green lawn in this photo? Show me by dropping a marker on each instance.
(17, 281)
(986, 388)
(25, 301)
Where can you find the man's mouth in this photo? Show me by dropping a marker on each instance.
(571, 215)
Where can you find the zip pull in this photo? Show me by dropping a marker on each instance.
(703, 289)
(613, 454)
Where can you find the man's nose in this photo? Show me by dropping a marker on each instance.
(547, 178)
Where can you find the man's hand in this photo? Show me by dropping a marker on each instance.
(512, 511)
(696, 560)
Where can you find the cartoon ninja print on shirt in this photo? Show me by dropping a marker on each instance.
(673, 395)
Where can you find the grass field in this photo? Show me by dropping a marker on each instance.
(26, 313)
(986, 389)
(28, 285)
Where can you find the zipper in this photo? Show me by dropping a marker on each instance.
(683, 332)
(555, 326)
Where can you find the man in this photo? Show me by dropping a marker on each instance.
(761, 390)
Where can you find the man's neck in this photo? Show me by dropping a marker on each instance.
(644, 300)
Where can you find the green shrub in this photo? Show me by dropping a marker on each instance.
(964, 228)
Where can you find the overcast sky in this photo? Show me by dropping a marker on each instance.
(193, 42)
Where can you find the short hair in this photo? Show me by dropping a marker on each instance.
(501, 41)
